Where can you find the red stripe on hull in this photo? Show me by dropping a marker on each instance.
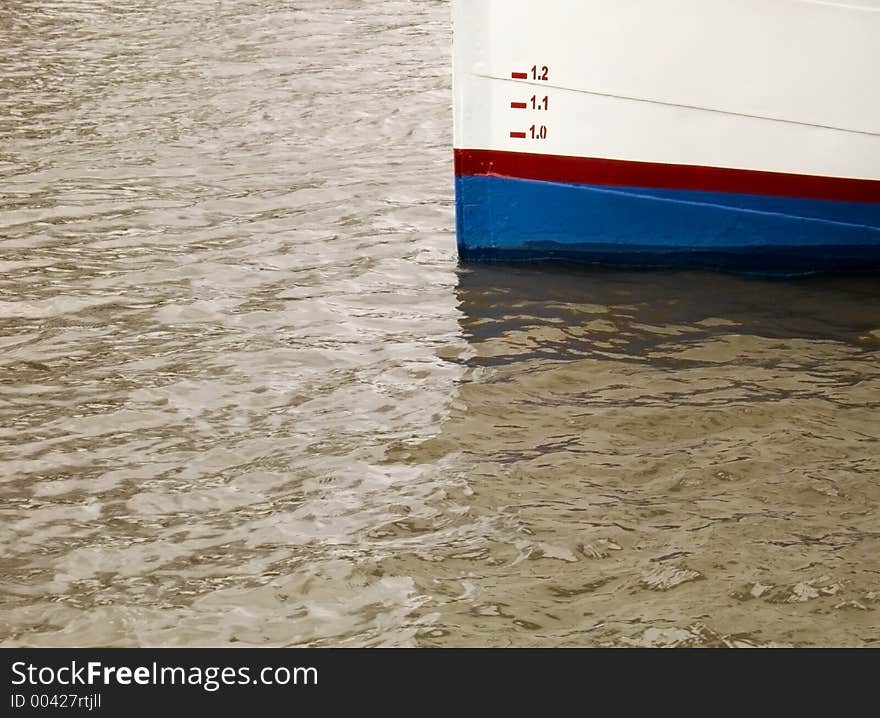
(624, 173)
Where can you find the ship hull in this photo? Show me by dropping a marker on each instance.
(653, 159)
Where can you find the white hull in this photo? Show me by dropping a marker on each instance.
(774, 85)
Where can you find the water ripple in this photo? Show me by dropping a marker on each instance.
(247, 397)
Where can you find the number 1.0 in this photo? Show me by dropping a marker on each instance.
(538, 133)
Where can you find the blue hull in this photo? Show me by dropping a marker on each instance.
(502, 219)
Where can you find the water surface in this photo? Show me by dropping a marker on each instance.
(248, 398)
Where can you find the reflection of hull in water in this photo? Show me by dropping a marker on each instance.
(732, 135)
(606, 416)
(623, 316)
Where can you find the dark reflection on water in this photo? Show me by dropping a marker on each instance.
(673, 459)
(247, 397)
(497, 299)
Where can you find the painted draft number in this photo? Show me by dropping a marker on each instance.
(538, 102)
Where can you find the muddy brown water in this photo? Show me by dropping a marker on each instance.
(248, 397)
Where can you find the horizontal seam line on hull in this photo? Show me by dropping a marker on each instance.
(641, 195)
(747, 210)
(865, 133)
(665, 188)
